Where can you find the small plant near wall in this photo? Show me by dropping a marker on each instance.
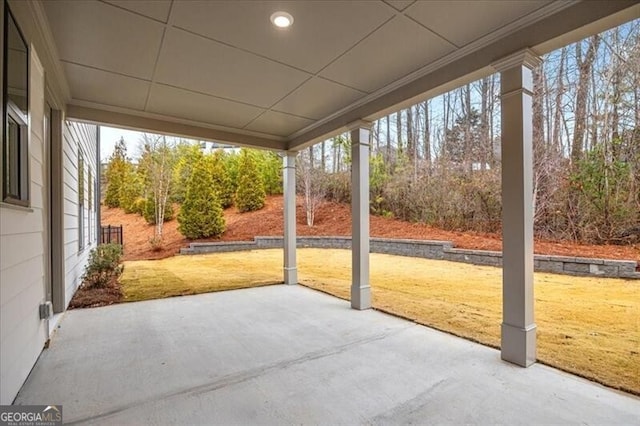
(103, 266)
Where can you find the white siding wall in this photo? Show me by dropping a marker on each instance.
(77, 137)
(22, 259)
(23, 244)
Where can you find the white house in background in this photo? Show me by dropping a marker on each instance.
(220, 71)
(48, 210)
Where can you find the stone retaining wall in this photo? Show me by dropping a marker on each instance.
(441, 250)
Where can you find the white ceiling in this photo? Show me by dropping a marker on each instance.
(223, 65)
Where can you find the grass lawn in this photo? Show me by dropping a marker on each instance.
(588, 326)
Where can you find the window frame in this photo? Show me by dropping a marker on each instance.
(81, 187)
(10, 111)
(90, 203)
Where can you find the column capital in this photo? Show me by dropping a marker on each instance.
(525, 57)
(289, 159)
(359, 124)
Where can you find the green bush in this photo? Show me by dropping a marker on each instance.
(115, 174)
(250, 195)
(139, 205)
(221, 180)
(149, 211)
(201, 213)
(270, 167)
(103, 265)
(130, 189)
(187, 155)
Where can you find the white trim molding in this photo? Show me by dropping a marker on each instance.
(525, 57)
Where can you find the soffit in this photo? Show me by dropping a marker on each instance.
(223, 65)
(469, 20)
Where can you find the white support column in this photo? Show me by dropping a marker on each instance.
(289, 190)
(518, 341)
(360, 288)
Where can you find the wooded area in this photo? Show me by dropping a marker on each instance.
(437, 162)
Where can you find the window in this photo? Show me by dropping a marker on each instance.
(15, 154)
(80, 201)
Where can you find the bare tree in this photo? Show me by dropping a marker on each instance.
(584, 77)
(157, 163)
(311, 183)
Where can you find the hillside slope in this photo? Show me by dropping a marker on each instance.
(331, 219)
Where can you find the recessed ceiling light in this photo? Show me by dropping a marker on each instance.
(282, 19)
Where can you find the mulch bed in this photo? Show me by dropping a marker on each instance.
(93, 297)
(333, 219)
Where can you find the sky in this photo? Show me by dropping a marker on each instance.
(110, 135)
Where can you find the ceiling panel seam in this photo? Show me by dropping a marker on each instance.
(435, 33)
(134, 12)
(317, 74)
(276, 103)
(240, 49)
(91, 67)
(155, 64)
(223, 98)
(395, 8)
(364, 92)
(356, 45)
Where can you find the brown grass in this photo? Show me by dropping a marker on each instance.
(184, 275)
(588, 326)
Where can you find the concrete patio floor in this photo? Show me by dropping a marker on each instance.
(291, 355)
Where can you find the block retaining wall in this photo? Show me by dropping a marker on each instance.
(440, 250)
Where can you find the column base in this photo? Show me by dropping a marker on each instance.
(518, 344)
(361, 297)
(291, 276)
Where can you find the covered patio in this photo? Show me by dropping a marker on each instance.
(221, 71)
(291, 355)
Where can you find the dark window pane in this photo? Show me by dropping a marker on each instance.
(12, 165)
(15, 154)
(16, 63)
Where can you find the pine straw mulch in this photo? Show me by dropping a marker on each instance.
(333, 219)
(93, 297)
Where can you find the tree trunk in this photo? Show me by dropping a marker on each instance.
(399, 131)
(468, 138)
(557, 118)
(427, 134)
(388, 120)
(410, 137)
(484, 122)
(584, 77)
(446, 106)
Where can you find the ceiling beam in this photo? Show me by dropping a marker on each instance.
(154, 125)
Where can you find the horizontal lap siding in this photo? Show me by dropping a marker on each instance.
(77, 137)
(22, 259)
